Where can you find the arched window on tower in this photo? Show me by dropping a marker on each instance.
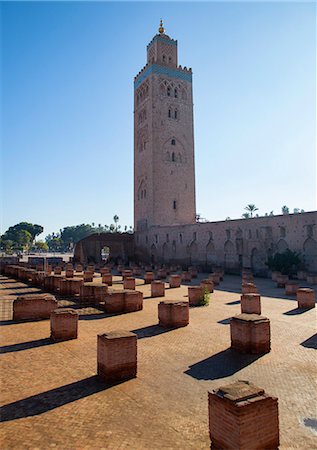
(169, 59)
(175, 114)
(164, 58)
(173, 142)
(174, 204)
(169, 113)
(175, 93)
(168, 91)
(173, 157)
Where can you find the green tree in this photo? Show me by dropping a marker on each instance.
(41, 245)
(285, 209)
(287, 262)
(14, 233)
(116, 220)
(246, 215)
(251, 209)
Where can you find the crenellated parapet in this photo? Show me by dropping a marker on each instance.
(179, 72)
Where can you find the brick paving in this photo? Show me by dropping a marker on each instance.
(52, 399)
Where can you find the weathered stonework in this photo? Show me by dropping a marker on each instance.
(305, 298)
(243, 417)
(250, 333)
(173, 314)
(251, 303)
(195, 295)
(64, 324)
(157, 288)
(175, 281)
(34, 306)
(117, 356)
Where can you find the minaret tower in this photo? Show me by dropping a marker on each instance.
(164, 172)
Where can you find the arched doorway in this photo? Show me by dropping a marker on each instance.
(310, 253)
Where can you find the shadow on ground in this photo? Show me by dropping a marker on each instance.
(310, 342)
(295, 311)
(223, 364)
(225, 321)
(46, 401)
(25, 345)
(152, 330)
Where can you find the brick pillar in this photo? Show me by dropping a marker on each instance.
(250, 333)
(305, 298)
(207, 284)
(126, 273)
(34, 306)
(274, 275)
(249, 288)
(311, 278)
(251, 303)
(69, 273)
(195, 295)
(88, 276)
(129, 283)
(107, 278)
(243, 417)
(58, 270)
(215, 278)
(281, 280)
(186, 276)
(104, 270)
(133, 301)
(114, 302)
(175, 281)
(291, 288)
(157, 288)
(64, 324)
(148, 277)
(117, 356)
(173, 314)
(79, 268)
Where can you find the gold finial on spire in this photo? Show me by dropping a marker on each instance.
(161, 27)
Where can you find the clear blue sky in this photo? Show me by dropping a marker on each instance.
(67, 106)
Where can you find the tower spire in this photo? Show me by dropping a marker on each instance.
(161, 27)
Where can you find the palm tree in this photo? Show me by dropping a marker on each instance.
(116, 220)
(251, 209)
(246, 215)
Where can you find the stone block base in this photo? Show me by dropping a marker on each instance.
(281, 281)
(175, 281)
(250, 333)
(195, 295)
(107, 278)
(249, 288)
(148, 277)
(129, 283)
(251, 303)
(186, 276)
(215, 278)
(157, 289)
(64, 324)
(117, 356)
(291, 288)
(173, 314)
(305, 298)
(34, 306)
(207, 284)
(122, 301)
(93, 293)
(88, 277)
(243, 417)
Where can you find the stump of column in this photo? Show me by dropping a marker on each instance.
(250, 333)
(175, 281)
(195, 295)
(207, 285)
(157, 288)
(193, 271)
(186, 276)
(281, 281)
(215, 278)
(79, 268)
(88, 276)
(64, 324)
(148, 277)
(243, 417)
(91, 268)
(249, 288)
(251, 304)
(291, 288)
(301, 275)
(117, 356)
(274, 275)
(137, 271)
(69, 273)
(34, 306)
(311, 278)
(173, 314)
(58, 270)
(126, 273)
(129, 283)
(161, 274)
(93, 293)
(114, 301)
(305, 298)
(133, 301)
(104, 270)
(107, 279)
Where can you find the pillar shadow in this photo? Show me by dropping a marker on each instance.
(25, 345)
(236, 302)
(152, 330)
(223, 364)
(225, 321)
(310, 342)
(296, 311)
(46, 401)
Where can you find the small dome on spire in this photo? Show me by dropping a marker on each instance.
(161, 27)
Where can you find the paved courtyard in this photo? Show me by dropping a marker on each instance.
(52, 399)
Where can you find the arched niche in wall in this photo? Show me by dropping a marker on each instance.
(281, 246)
(210, 252)
(229, 252)
(310, 253)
